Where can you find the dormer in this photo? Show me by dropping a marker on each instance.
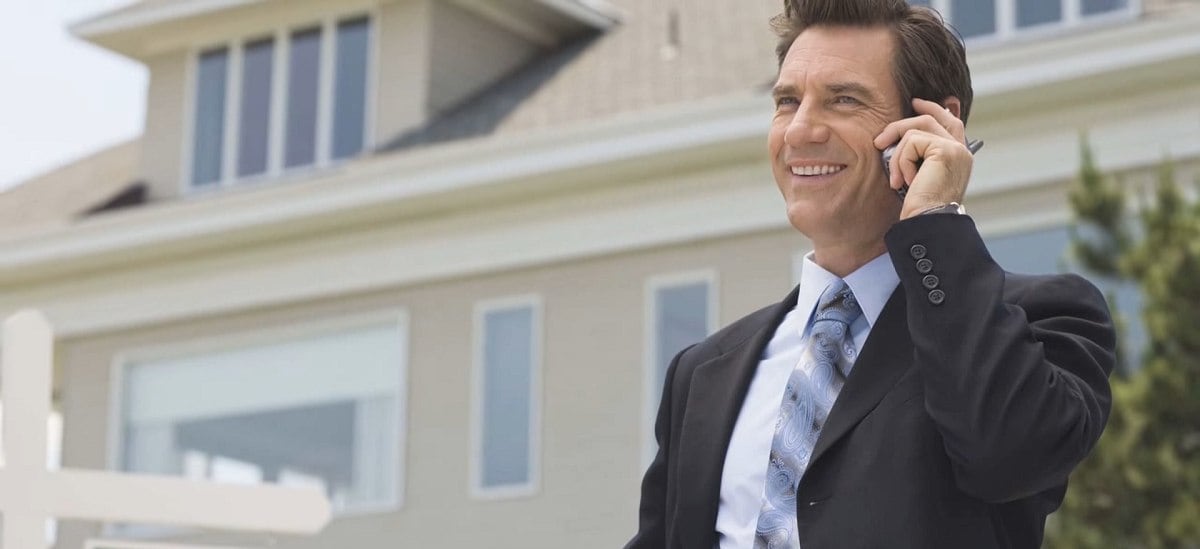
(244, 92)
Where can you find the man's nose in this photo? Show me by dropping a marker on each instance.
(808, 125)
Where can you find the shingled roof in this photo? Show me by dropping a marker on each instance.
(77, 189)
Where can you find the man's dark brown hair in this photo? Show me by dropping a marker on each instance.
(930, 61)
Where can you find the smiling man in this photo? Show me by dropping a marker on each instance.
(908, 393)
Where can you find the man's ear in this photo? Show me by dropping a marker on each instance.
(953, 105)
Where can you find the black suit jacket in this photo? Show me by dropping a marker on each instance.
(956, 428)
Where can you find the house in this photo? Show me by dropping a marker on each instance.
(433, 255)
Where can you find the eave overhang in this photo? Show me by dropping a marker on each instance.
(144, 28)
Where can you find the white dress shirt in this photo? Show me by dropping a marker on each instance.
(744, 477)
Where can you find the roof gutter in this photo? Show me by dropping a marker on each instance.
(136, 17)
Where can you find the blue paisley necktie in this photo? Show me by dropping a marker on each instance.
(811, 390)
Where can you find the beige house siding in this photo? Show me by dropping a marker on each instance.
(166, 118)
(468, 53)
(402, 67)
(1157, 6)
(592, 398)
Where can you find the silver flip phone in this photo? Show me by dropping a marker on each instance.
(973, 145)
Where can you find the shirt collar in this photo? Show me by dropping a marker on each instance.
(872, 284)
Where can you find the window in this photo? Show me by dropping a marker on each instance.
(1092, 7)
(1004, 18)
(304, 81)
(974, 17)
(314, 406)
(1038, 12)
(681, 311)
(350, 87)
(209, 136)
(1045, 251)
(256, 107)
(292, 100)
(506, 398)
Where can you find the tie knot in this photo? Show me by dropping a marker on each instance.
(837, 302)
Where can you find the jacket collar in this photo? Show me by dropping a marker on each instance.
(714, 399)
(718, 389)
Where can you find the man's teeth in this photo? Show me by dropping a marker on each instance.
(816, 170)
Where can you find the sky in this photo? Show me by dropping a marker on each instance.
(60, 98)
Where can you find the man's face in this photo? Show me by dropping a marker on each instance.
(835, 93)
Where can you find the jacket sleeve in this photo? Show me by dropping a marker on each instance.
(1017, 386)
(652, 513)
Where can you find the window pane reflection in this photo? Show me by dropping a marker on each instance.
(209, 123)
(300, 147)
(974, 17)
(350, 87)
(255, 112)
(1092, 7)
(1038, 12)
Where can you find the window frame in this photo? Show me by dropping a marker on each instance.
(1006, 20)
(280, 35)
(476, 489)
(650, 398)
(397, 319)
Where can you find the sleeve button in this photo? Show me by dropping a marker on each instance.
(930, 282)
(937, 297)
(924, 266)
(918, 251)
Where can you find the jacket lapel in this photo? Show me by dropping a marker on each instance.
(717, 390)
(885, 357)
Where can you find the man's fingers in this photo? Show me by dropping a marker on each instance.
(931, 117)
(943, 117)
(909, 155)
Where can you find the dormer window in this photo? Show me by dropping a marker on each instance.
(1002, 19)
(272, 104)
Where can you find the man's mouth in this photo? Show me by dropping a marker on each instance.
(817, 170)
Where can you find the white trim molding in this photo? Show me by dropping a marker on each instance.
(145, 15)
(476, 490)
(651, 384)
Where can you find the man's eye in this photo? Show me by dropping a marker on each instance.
(785, 102)
(845, 100)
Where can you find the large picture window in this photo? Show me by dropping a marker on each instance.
(267, 105)
(320, 406)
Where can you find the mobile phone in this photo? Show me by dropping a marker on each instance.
(972, 145)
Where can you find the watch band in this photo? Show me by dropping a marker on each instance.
(951, 208)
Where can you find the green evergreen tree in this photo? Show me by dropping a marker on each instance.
(1140, 488)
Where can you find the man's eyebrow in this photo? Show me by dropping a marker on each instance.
(853, 88)
(836, 88)
(783, 90)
